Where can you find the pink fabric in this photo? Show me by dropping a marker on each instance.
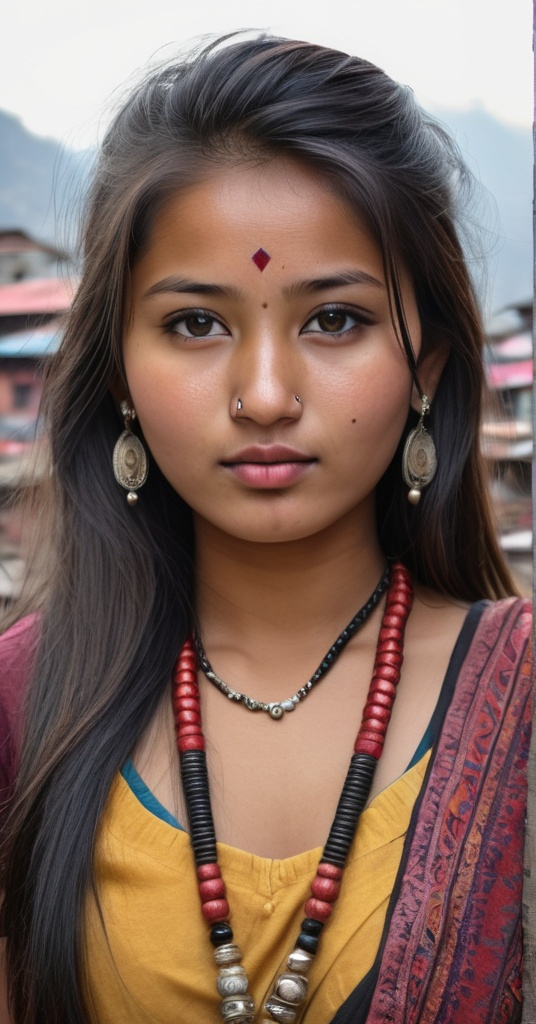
(453, 951)
(17, 647)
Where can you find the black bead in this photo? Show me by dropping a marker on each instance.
(309, 943)
(311, 927)
(221, 933)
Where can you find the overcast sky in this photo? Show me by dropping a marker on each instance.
(61, 61)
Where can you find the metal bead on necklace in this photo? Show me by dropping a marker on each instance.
(277, 709)
(289, 992)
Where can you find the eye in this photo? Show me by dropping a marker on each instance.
(195, 323)
(336, 320)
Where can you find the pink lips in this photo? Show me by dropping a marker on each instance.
(268, 466)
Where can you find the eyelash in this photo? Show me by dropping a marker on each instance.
(360, 318)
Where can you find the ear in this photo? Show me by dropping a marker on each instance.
(429, 370)
(119, 391)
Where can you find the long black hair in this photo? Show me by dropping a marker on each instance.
(117, 600)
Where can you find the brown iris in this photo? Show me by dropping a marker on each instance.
(332, 320)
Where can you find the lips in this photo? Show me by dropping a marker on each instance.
(268, 466)
(275, 453)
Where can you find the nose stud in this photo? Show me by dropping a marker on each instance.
(239, 405)
(298, 399)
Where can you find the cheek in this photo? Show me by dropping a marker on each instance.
(371, 418)
(172, 416)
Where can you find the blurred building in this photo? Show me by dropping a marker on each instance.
(507, 436)
(34, 293)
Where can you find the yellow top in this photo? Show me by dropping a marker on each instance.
(155, 963)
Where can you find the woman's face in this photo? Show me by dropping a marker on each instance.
(219, 344)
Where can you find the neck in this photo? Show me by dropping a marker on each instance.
(274, 596)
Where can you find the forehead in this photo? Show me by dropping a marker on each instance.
(279, 206)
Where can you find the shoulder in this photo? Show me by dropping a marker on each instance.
(17, 650)
(502, 639)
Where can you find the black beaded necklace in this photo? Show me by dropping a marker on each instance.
(277, 709)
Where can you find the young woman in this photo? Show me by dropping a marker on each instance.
(267, 494)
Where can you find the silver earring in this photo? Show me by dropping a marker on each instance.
(130, 458)
(419, 459)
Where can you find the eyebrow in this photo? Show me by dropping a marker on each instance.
(180, 285)
(319, 284)
(185, 285)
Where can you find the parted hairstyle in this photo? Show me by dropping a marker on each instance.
(117, 600)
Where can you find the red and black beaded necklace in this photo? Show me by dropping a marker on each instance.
(290, 989)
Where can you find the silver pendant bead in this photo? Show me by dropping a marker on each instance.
(276, 710)
(291, 988)
(228, 954)
(232, 981)
(240, 1010)
(280, 1011)
(299, 960)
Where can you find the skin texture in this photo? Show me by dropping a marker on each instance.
(282, 567)
(264, 346)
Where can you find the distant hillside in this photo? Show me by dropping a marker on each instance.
(501, 157)
(41, 184)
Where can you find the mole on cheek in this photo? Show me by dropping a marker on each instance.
(353, 421)
(265, 305)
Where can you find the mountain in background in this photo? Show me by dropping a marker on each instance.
(501, 158)
(41, 183)
(41, 186)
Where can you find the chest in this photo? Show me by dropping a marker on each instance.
(275, 785)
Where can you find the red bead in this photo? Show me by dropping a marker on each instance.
(366, 746)
(394, 658)
(215, 910)
(387, 672)
(212, 889)
(400, 605)
(392, 621)
(206, 871)
(325, 889)
(371, 734)
(189, 717)
(378, 699)
(376, 711)
(375, 725)
(185, 743)
(317, 909)
(329, 871)
(187, 690)
(393, 633)
(393, 646)
(189, 730)
(379, 685)
(189, 704)
(187, 676)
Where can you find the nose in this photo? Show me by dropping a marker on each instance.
(266, 379)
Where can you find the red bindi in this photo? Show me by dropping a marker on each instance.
(261, 259)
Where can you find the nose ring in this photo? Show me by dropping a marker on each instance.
(239, 405)
(298, 399)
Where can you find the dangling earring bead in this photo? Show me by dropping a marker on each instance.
(419, 459)
(129, 458)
